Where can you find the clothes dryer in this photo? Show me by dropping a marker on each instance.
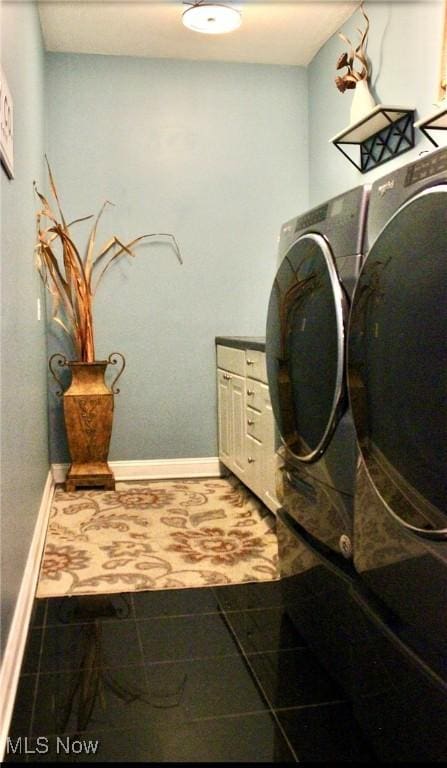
(320, 254)
(397, 379)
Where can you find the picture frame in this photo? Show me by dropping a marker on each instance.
(6, 126)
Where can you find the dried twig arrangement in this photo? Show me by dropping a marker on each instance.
(72, 280)
(348, 59)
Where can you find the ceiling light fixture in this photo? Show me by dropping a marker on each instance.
(211, 18)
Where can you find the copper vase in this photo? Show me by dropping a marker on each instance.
(88, 414)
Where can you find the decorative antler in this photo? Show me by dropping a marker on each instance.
(347, 59)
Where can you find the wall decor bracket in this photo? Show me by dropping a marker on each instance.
(435, 122)
(387, 131)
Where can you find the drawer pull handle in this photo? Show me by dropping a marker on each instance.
(250, 422)
(227, 376)
(250, 460)
(250, 362)
(250, 392)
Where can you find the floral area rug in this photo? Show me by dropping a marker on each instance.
(157, 534)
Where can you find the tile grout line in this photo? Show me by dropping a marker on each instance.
(141, 647)
(260, 687)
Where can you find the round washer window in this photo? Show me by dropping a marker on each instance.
(304, 345)
(397, 361)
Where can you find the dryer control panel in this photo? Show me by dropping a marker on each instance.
(340, 221)
(312, 217)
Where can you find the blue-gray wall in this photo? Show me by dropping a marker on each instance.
(24, 451)
(404, 47)
(215, 153)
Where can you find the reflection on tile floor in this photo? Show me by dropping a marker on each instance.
(191, 675)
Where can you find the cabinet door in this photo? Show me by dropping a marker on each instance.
(237, 389)
(224, 415)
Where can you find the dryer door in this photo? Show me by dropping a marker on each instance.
(305, 347)
(397, 359)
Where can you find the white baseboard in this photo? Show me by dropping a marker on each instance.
(154, 469)
(15, 646)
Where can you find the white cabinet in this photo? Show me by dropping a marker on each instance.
(245, 420)
(231, 409)
(231, 391)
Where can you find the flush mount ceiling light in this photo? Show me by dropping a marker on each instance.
(211, 18)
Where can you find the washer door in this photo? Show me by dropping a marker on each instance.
(397, 364)
(305, 347)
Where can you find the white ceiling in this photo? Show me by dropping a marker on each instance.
(272, 32)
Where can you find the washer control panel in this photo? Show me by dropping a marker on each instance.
(426, 167)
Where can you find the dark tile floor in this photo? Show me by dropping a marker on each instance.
(190, 675)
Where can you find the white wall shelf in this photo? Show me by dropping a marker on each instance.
(384, 133)
(435, 122)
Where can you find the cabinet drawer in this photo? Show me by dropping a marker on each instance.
(255, 364)
(231, 359)
(254, 424)
(254, 456)
(258, 395)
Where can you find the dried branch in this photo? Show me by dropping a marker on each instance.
(69, 277)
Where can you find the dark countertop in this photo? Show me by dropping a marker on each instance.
(242, 342)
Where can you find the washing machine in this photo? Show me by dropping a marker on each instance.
(320, 255)
(397, 381)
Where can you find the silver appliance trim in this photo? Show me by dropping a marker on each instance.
(337, 291)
